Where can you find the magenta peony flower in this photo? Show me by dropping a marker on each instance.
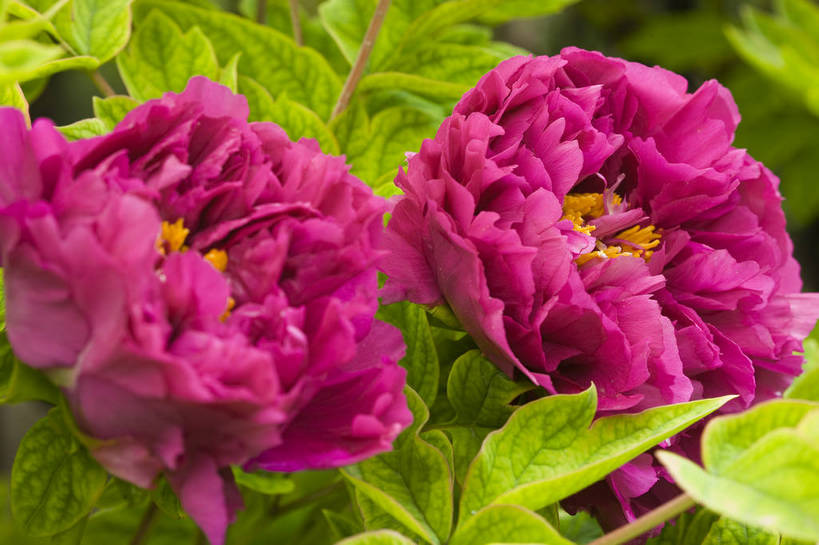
(588, 221)
(204, 291)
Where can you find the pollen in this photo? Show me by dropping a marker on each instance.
(231, 304)
(642, 239)
(217, 258)
(172, 238)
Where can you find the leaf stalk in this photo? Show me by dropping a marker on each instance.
(295, 23)
(363, 56)
(650, 520)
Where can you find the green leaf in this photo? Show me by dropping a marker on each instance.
(84, 128)
(455, 63)
(547, 451)
(264, 482)
(54, 481)
(413, 483)
(729, 532)
(515, 9)
(298, 121)
(165, 498)
(507, 524)
(393, 133)
(340, 525)
(727, 438)
(72, 536)
(352, 129)
(583, 528)
(777, 490)
(763, 467)
(19, 59)
(380, 537)
(346, 21)
(481, 393)
(19, 382)
(806, 385)
(112, 110)
(161, 58)
(229, 76)
(413, 83)
(12, 95)
(269, 57)
(421, 360)
(688, 529)
(96, 28)
(259, 101)
(375, 518)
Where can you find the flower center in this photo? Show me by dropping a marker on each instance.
(581, 208)
(172, 239)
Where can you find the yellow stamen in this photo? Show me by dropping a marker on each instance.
(172, 238)
(643, 239)
(577, 205)
(231, 304)
(217, 258)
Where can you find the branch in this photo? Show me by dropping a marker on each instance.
(363, 55)
(261, 11)
(101, 84)
(141, 534)
(294, 22)
(650, 520)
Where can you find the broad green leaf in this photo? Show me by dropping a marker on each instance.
(346, 21)
(375, 518)
(727, 438)
(161, 58)
(464, 64)
(481, 393)
(380, 537)
(229, 75)
(19, 59)
(72, 536)
(773, 485)
(385, 187)
(269, 57)
(688, 529)
(259, 101)
(54, 481)
(352, 128)
(547, 451)
(12, 95)
(507, 524)
(84, 128)
(166, 499)
(341, 525)
(97, 28)
(466, 442)
(515, 9)
(393, 133)
(265, 482)
(806, 385)
(730, 532)
(112, 110)
(19, 382)
(61, 65)
(412, 83)
(421, 360)
(413, 483)
(117, 526)
(582, 528)
(298, 121)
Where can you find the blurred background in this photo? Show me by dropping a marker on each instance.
(766, 55)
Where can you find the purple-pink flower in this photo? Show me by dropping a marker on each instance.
(203, 289)
(589, 221)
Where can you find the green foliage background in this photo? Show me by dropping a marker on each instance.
(451, 478)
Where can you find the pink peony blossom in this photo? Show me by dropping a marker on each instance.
(588, 221)
(204, 290)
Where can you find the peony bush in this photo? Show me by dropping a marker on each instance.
(367, 276)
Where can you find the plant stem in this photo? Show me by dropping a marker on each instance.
(141, 534)
(650, 520)
(363, 55)
(261, 11)
(281, 510)
(101, 84)
(294, 22)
